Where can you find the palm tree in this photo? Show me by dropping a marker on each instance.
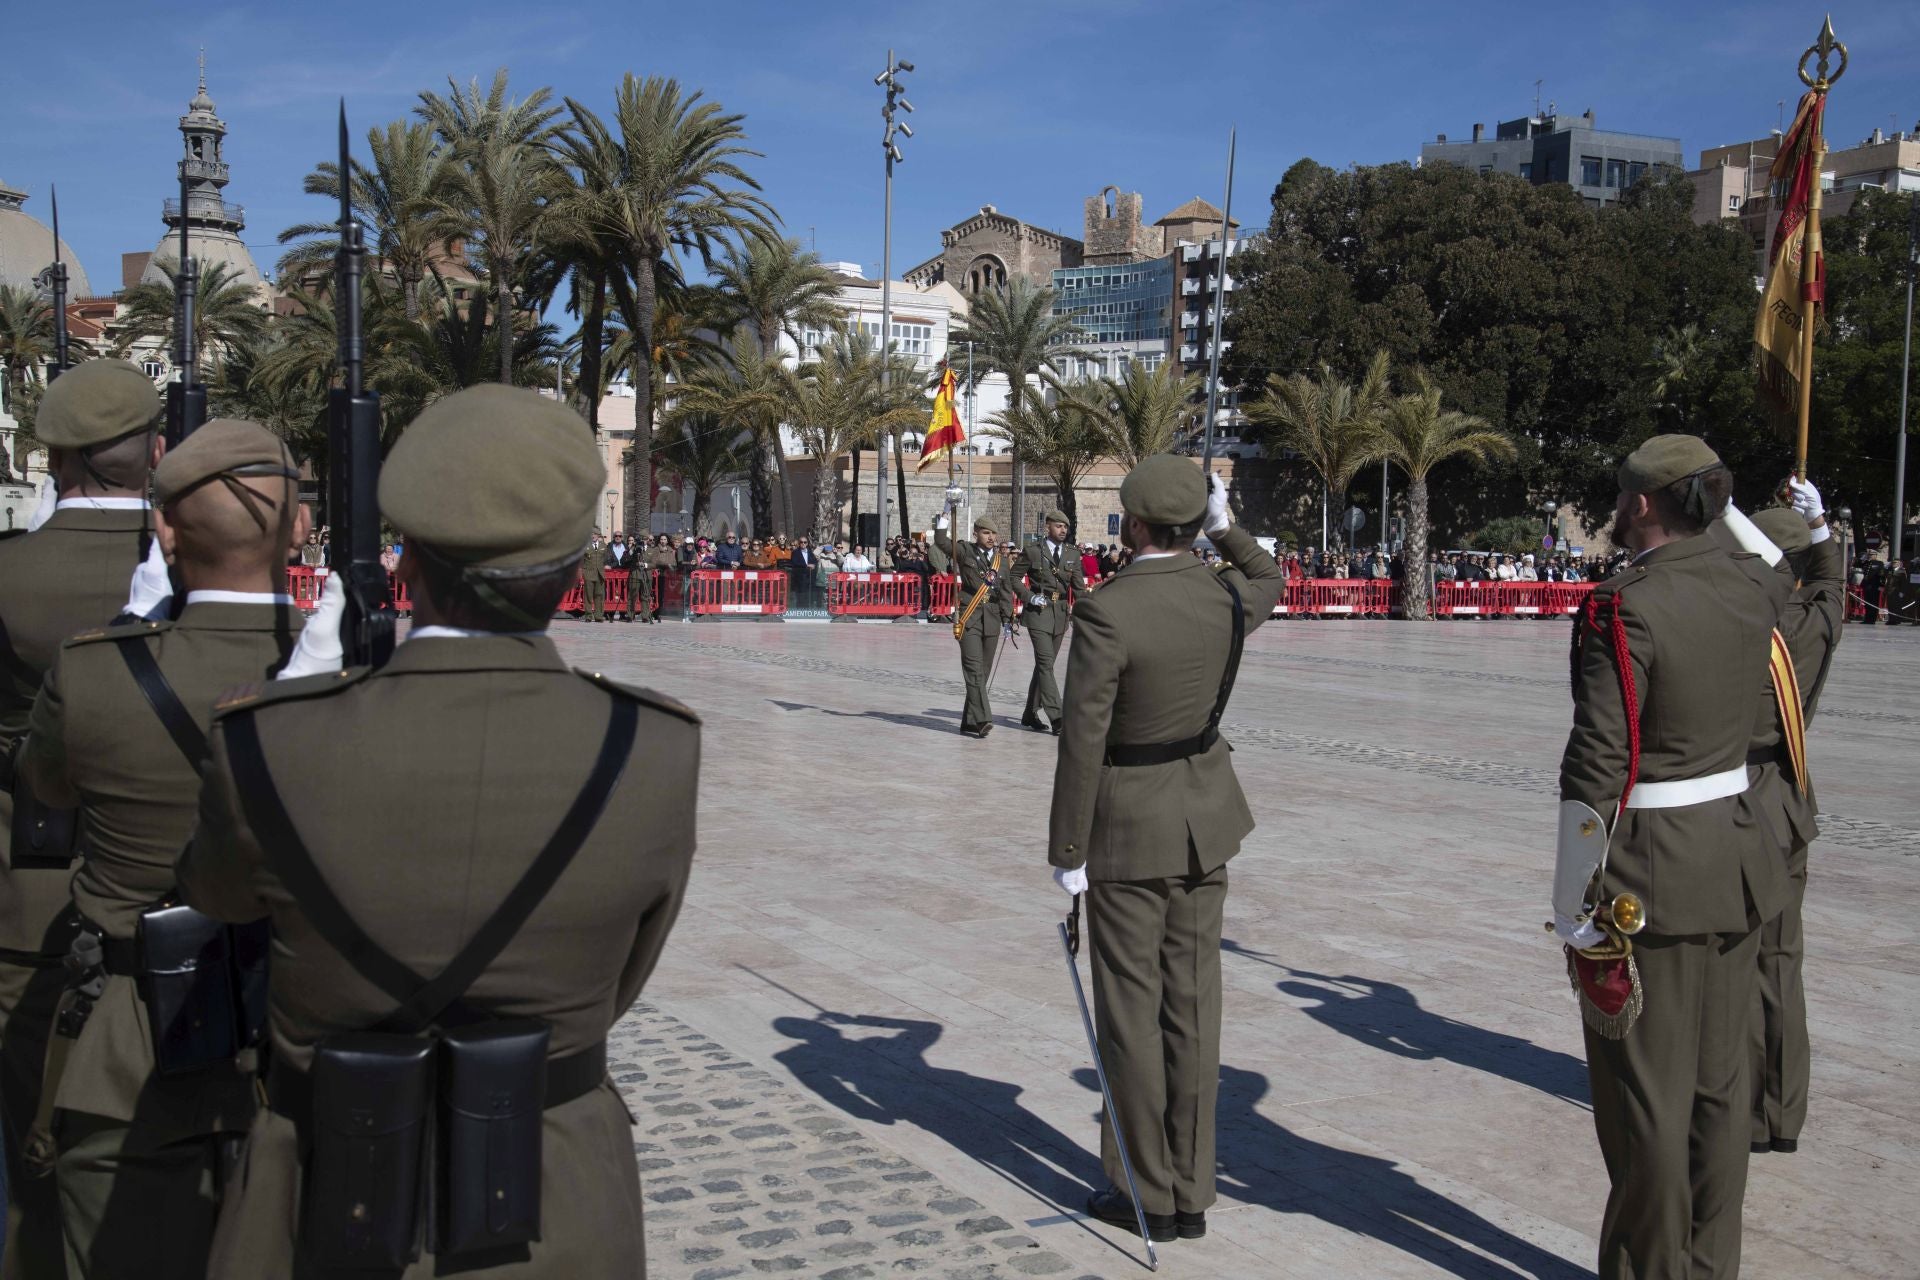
(227, 313)
(26, 343)
(703, 449)
(1416, 435)
(1678, 356)
(397, 199)
(776, 287)
(841, 406)
(498, 188)
(1016, 333)
(1051, 428)
(1138, 413)
(668, 179)
(1323, 419)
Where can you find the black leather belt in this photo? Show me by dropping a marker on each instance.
(31, 959)
(290, 1090)
(120, 957)
(1768, 755)
(1130, 756)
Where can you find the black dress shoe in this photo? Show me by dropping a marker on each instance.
(1033, 722)
(972, 731)
(1112, 1206)
(1786, 1146)
(1190, 1226)
(1055, 730)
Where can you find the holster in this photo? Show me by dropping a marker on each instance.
(362, 1198)
(186, 979)
(252, 945)
(493, 1085)
(44, 838)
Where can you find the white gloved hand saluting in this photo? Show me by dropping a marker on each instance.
(1581, 937)
(941, 523)
(1037, 600)
(1217, 517)
(1805, 499)
(151, 593)
(48, 503)
(319, 650)
(1074, 881)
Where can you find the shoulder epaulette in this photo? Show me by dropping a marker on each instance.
(247, 697)
(119, 631)
(647, 697)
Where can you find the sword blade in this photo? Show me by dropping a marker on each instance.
(1106, 1094)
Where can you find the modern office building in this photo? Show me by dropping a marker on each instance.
(1567, 150)
(1735, 182)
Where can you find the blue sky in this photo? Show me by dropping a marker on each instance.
(1028, 106)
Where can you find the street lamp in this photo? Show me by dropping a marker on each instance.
(896, 101)
(1844, 515)
(1553, 532)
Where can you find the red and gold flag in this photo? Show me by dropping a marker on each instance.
(1796, 270)
(944, 432)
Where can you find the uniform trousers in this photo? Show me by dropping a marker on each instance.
(137, 1199)
(639, 594)
(28, 997)
(1671, 1104)
(593, 593)
(1043, 694)
(1781, 1050)
(977, 645)
(1155, 947)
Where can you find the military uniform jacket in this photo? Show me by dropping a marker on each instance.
(1149, 650)
(95, 741)
(423, 791)
(593, 564)
(1811, 619)
(1698, 629)
(1053, 574)
(975, 566)
(70, 575)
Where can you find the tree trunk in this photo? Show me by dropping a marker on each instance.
(702, 500)
(1414, 580)
(1019, 492)
(853, 517)
(900, 481)
(760, 487)
(640, 470)
(787, 517)
(503, 327)
(1069, 504)
(593, 327)
(410, 290)
(826, 499)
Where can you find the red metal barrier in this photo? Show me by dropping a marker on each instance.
(1468, 598)
(305, 585)
(761, 592)
(941, 605)
(1564, 597)
(1357, 597)
(873, 595)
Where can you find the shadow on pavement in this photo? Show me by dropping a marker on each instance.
(1388, 1017)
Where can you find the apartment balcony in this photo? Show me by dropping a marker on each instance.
(1190, 253)
(1189, 353)
(1190, 286)
(1188, 319)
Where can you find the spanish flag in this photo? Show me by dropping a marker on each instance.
(1796, 270)
(944, 432)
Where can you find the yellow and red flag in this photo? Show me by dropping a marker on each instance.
(944, 431)
(1796, 269)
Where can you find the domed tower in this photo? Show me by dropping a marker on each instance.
(26, 247)
(213, 225)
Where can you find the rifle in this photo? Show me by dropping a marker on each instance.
(186, 394)
(353, 448)
(55, 277)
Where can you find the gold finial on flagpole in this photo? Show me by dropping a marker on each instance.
(1826, 46)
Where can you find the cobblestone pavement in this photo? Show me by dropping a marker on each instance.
(743, 1176)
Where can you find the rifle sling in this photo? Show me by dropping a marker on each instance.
(422, 1000)
(166, 704)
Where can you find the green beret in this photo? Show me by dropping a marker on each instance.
(981, 526)
(223, 447)
(1785, 528)
(1663, 460)
(1058, 516)
(1165, 489)
(96, 402)
(496, 477)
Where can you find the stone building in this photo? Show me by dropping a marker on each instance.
(213, 225)
(989, 249)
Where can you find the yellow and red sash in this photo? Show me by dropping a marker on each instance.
(1793, 717)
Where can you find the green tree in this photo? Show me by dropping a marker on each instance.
(1326, 420)
(671, 182)
(26, 343)
(841, 406)
(1016, 333)
(227, 313)
(1051, 427)
(703, 449)
(1415, 434)
(1509, 535)
(1139, 413)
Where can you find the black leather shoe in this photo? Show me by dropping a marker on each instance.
(1190, 1226)
(1112, 1207)
(1786, 1146)
(1034, 723)
(1056, 729)
(972, 731)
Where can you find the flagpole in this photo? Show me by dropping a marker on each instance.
(1811, 268)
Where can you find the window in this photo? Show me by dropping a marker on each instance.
(1485, 169)
(152, 368)
(1733, 204)
(912, 339)
(1635, 172)
(1526, 170)
(1616, 173)
(1589, 171)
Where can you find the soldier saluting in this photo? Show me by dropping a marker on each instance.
(1146, 813)
(1055, 579)
(119, 731)
(983, 603)
(461, 908)
(70, 575)
(1657, 831)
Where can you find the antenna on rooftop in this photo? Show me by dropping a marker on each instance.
(1536, 97)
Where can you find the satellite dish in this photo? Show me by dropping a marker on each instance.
(1355, 520)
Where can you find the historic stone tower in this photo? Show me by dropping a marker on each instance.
(1114, 233)
(213, 225)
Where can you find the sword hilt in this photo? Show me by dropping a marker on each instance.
(1073, 927)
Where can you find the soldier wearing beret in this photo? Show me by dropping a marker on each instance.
(119, 730)
(1147, 812)
(593, 580)
(454, 938)
(1656, 818)
(70, 575)
(1055, 579)
(983, 604)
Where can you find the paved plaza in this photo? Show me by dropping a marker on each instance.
(860, 1056)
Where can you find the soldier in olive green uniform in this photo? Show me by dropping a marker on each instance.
(593, 580)
(982, 575)
(120, 731)
(1811, 625)
(347, 807)
(1671, 652)
(1054, 580)
(68, 576)
(1146, 813)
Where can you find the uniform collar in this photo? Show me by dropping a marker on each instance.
(499, 652)
(1684, 549)
(1172, 562)
(87, 518)
(100, 504)
(254, 613)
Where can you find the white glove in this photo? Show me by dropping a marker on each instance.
(1581, 937)
(941, 523)
(1037, 600)
(49, 502)
(1217, 517)
(1805, 499)
(151, 593)
(319, 651)
(1074, 881)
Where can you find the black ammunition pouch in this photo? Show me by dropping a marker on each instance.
(44, 838)
(186, 978)
(493, 1088)
(367, 1121)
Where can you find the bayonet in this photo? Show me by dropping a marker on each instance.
(57, 283)
(353, 449)
(186, 395)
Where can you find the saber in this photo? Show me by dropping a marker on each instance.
(1070, 943)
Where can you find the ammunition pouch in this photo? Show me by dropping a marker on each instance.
(204, 983)
(371, 1099)
(44, 838)
(493, 1087)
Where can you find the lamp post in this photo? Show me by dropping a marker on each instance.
(1553, 532)
(1906, 377)
(1844, 516)
(896, 101)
